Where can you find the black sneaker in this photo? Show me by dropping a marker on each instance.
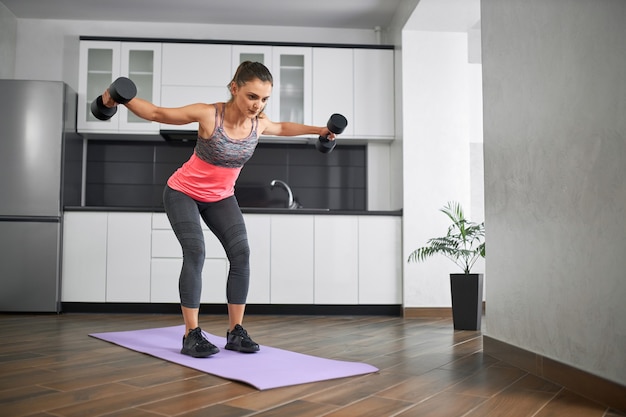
(196, 345)
(239, 340)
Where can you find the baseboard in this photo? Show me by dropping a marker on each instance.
(430, 312)
(269, 309)
(603, 391)
(427, 312)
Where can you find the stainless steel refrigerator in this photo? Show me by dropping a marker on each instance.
(37, 119)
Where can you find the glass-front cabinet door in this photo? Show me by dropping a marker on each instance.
(141, 62)
(256, 53)
(99, 65)
(102, 62)
(291, 68)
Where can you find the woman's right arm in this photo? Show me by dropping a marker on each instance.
(170, 115)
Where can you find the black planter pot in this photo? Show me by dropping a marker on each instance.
(467, 300)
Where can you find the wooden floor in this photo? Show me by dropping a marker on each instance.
(50, 367)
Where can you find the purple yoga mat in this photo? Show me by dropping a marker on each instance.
(266, 369)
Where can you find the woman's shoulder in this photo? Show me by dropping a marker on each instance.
(216, 105)
(212, 106)
(210, 110)
(210, 113)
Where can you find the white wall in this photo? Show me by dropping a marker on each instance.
(394, 34)
(48, 49)
(438, 84)
(8, 30)
(555, 170)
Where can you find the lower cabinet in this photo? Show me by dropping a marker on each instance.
(165, 273)
(128, 257)
(336, 260)
(167, 260)
(259, 231)
(380, 260)
(164, 276)
(291, 259)
(84, 267)
(294, 259)
(106, 257)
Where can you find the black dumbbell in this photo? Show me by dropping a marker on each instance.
(336, 124)
(121, 90)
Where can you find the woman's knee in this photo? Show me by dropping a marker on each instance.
(193, 250)
(236, 245)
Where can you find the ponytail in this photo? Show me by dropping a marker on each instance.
(248, 71)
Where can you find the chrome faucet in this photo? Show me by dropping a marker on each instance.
(291, 202)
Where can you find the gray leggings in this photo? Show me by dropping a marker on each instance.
(225, 220)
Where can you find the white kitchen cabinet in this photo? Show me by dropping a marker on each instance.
(291, 259)
(166, 273)
(258, 227)
(291, 69)
(374, 110)
(99, 65)
(164, 280)
(166, 261)
(255, 53)
(380, 260)
(194, 73)
(336, 260)
(359, 84)
(295, 259)
(141, 62)
(214, 276)
(310, 83)
(102, 62)
(292, 94)
(195, 64)
(333, 87)
(84, 270)
(128, 257)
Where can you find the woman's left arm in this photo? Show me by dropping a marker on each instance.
(292, 129)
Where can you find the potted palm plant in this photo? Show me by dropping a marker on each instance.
(464, 244)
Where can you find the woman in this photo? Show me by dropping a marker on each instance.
(204, 187)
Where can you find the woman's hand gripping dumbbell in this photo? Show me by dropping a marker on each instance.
(336, 124)
(121, 91)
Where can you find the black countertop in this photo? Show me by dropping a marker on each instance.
(250, 210)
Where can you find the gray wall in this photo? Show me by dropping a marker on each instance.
(8, 29)
(555, 179)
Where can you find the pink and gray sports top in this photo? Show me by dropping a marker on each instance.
(210, 173)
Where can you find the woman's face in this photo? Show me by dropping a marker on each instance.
(252, 97)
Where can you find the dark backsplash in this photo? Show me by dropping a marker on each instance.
(133, 174)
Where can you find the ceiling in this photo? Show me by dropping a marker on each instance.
(351, 14)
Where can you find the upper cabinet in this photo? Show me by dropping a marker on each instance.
(374, 112)
(194, 73)
(333, 87)
(255, 53)
(102, 62)
(310, 83)
(358, 83)
(291, 69)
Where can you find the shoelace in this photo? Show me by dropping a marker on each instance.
(241, 332)
(246, 337)
(199, 338)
